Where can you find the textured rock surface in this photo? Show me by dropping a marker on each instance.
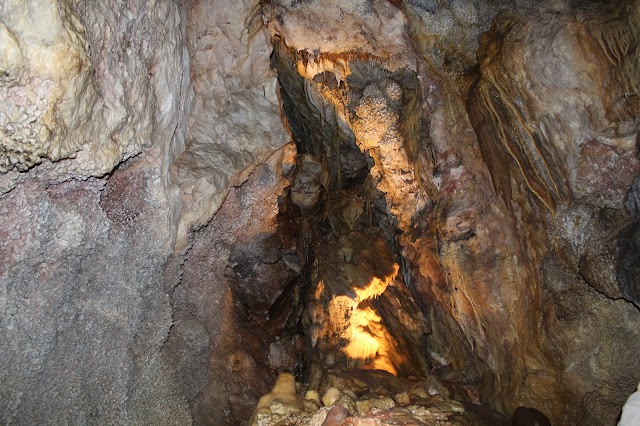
(231, 274)
(85, 312)
(358, 27)
(372, 102)
(559, 75)
(491, 251)
(45, 68)
(589, 371)
(85, 290)
(235, 118)
(574, 146)
(357, 397)
(97, 87)
(85, 302)
(156, 236)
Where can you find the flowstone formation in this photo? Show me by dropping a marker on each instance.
(572, 145)
(488, 228)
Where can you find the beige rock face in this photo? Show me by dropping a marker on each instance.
(281, 400)
(341, 27)
(46, 75)
(235, 118)
(95, 87)
(341, 317)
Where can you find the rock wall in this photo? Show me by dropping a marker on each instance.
(85, 227)
(235, 118)
(573, 145)
(141, 161)
(234, 269)
(514, 167)
(96, 99)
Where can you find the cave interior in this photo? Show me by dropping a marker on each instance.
(309, 212)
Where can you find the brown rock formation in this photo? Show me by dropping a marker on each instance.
(198, 196)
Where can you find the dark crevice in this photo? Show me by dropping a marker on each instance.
(334, 206)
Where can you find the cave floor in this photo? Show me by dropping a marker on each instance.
(359, 396)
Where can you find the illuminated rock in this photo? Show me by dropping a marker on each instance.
(197, 195)
(342, 316)
(281, 400)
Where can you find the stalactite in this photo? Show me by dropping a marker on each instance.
(615, 38)
(411, 128)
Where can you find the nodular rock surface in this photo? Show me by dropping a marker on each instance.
(171, 173)
(86, 224)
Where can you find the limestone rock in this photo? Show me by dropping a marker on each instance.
(93, 323)
(85, 313)
(64, 92)
(341, 27)
(541, 150)
(577, 306)
(344, 319)
(45, 91)
(345, 401)
(402, 398)
(306, 187)
(282, 355)
(336, 415)
(312, 395)
(456, 185)
(233, 373)
(282, 399)
(366, 405)
(235, 121)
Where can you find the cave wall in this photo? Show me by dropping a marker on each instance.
(91, 105)
(97, 102)
(234, 121)
(570, 148)
(521, 162)
(234, 270)
(139, 142)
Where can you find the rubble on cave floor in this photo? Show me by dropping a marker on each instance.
(344, 397)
